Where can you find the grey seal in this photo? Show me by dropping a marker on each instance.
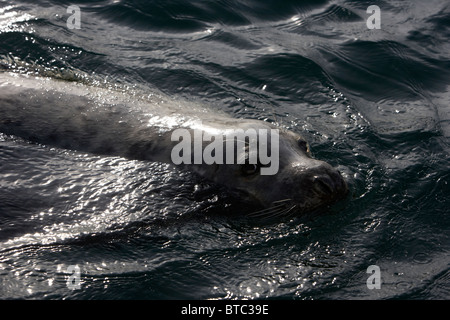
(128, 123)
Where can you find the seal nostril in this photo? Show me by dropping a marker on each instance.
(323, 185)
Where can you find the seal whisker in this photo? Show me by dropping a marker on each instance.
(281, 201)
(284, 212)
(268, 211)
(279, 208)
(289, 212)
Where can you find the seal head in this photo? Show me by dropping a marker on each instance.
(301, 183)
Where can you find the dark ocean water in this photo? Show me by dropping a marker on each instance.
(375, 102)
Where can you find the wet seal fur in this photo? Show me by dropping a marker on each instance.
(126, 123)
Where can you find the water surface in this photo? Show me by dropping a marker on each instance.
(375, 102)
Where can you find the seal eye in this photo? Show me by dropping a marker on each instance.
(249, 169)
(303, 145)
